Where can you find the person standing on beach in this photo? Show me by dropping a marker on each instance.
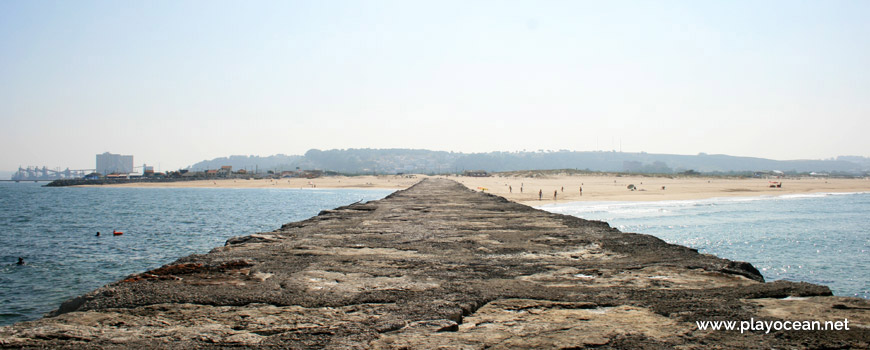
(554, 194)
(581, 191)
(540, 194)
(510, 189)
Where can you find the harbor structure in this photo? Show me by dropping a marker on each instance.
(35, 173)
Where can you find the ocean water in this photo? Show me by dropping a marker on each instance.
(54, 229)
(818, 238)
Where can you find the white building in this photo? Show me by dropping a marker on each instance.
(108, 163)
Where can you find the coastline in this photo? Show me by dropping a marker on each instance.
(346, 182)
(615, 188)
(595, 187)
(545, 204)
(437, 265)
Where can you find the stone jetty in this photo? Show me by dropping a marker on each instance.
(440, 266)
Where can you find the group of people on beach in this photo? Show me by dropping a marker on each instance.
(555, 193)
(541, 191)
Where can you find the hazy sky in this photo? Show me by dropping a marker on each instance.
(176, 82)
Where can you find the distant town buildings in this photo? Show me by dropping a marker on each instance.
(225, 170)
(108, 163)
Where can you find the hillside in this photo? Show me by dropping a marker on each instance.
(392, 161)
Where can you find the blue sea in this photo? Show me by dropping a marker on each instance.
(819, 238)
(54, 230)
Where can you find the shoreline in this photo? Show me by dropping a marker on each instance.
(735, 198)
(331, 182)
(615, 188)
(596, 188)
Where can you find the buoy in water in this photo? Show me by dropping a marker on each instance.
(117, 233)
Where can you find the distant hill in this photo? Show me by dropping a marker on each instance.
(275, 162)
(392, 161)
(381, 160)
(646, 162)
(864, 162)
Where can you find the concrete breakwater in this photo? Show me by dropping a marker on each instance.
(440, 265)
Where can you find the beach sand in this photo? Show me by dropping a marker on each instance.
(595, 187)
(615, 188)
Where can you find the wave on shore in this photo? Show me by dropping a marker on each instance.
(627, 207)
(812, 237)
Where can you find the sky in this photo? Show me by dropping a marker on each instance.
(177, 82)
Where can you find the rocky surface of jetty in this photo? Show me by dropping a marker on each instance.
(438, 265)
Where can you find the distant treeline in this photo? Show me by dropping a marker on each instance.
(393, 161)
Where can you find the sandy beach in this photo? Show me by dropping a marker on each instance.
(566, 187)
(615, 188)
